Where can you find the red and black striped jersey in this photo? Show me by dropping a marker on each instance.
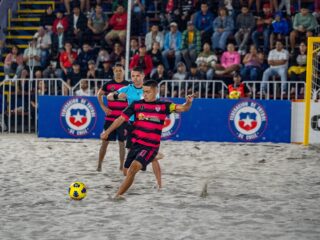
(149, 120)
(116, 106)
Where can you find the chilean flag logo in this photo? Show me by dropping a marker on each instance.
(248, 121)
(78, 117)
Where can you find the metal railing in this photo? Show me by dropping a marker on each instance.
(93, 84)
(19, 102)
(274, 90)
(19, 99)
(218, 89)
(201, 88)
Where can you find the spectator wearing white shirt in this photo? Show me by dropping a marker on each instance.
(278, 61)
(154, 36)
(84, 89)
(31, 56)
(44, 43)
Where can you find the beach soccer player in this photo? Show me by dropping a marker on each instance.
(131, 93)
(150, 114)
(112, 111)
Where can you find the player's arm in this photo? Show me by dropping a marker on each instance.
(124, 117)
(186, 106)
(120, 94)
(100, 94)
(116, 123)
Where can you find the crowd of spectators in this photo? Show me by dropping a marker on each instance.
(189, 40)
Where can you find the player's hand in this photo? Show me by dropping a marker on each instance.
(122, 96)
(104, 135)
(190, 98)
(106, 110)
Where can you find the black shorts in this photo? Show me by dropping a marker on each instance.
(129, 129)
(118, 134)
(142, 154)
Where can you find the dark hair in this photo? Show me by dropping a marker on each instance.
(118, 64)
(151, 83)
(15, 46)
(193, 65)
(138, 69)
(280, 41)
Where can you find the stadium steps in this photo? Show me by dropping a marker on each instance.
(35, 5)
(31, 12)
(24, 23)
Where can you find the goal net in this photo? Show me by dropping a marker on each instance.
(312, 92)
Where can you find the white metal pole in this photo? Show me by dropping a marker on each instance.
(128, 39)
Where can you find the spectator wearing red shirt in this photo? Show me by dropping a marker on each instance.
(67, 58)
(118, 22)
(142, 60)
(60, 21)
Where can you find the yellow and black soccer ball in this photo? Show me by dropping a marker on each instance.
(77, 191)
(234, 95)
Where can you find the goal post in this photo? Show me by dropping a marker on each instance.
(312, 74)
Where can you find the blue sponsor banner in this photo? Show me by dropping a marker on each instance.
(208, 120)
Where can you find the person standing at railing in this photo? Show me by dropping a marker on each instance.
(74, 76)
(84, 90)
(112, 111)
(195, 75)
(238, 89)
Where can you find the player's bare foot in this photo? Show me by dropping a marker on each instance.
(159, 156)
(118, 198)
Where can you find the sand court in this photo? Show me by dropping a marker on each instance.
(210, 191)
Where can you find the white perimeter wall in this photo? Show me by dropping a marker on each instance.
(297, 122)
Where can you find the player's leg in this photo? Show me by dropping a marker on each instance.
(128, 135)
(157, 172)
(102, 153)
(104, 145)
(121, 136)
(132, 171)
(122, 153)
